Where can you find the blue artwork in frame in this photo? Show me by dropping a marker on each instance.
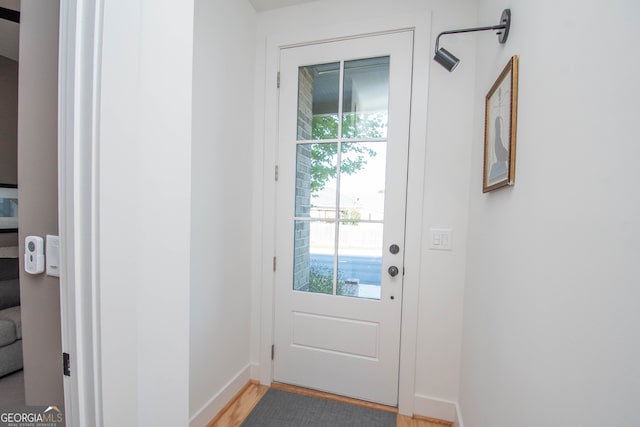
(501, 106)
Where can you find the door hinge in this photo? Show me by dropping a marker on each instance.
(276, 173)
(278, 80)
(274, 264)
(66, 365)
(273, 351)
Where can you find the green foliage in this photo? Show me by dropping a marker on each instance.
(354, 155)
(363, 125)
(353, 214)
(323, 165)
(321, 281)
(324, 127)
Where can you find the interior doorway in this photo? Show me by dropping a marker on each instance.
(37, 184)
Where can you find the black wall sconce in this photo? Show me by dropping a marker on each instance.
(449, 61)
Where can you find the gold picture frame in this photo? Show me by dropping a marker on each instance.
(500, 129)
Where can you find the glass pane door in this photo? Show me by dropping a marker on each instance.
(340, 177)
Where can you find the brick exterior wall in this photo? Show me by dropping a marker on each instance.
(302, 231)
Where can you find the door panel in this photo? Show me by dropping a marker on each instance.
(309, 328)
(342, 158)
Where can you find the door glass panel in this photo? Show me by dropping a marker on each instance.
(316, 168)
(339, 218)
(362, 180)
(313, 266)
(365, 101)
(318, 101)
(360, 259)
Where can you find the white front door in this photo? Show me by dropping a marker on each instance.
(342, 175)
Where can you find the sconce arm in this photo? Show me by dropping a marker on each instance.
(505, 23)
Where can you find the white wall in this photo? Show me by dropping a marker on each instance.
(551, 319)
(175, 184)
(144, 175)
(444, 201)
(446, 185)
(221, 175)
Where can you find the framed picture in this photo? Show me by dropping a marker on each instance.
(8, 208)
(500, 129)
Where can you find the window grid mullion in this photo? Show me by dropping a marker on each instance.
(338, 168)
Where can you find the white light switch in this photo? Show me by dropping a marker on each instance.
(53, 256)
(440, 239)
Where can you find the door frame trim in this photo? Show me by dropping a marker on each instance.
(79, 65)
(266, 150)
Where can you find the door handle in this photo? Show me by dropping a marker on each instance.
(393, 271)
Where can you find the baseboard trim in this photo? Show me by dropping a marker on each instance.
(436, 409)
(434, 420)
(229, 392)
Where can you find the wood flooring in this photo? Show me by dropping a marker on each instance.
(241, 405)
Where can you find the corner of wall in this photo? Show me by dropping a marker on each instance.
(432, 407)
(254, 371)
(217, 403)
(458, 421)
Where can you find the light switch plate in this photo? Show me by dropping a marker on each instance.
(440, 239)
(53, 256)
